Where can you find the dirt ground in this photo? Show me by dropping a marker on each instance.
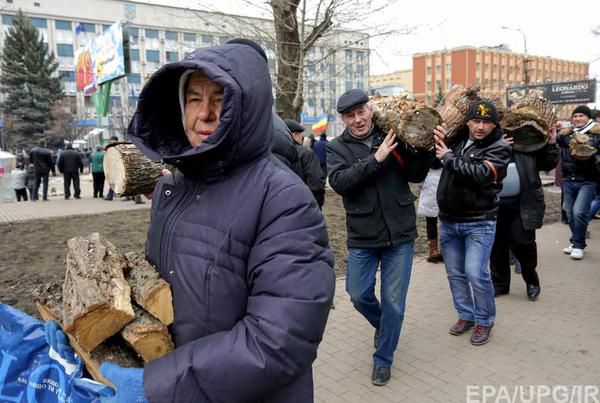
(33, 253)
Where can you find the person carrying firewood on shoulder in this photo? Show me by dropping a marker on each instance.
(371, 171)
(240, 239)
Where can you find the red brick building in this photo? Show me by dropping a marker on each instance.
(492, 69)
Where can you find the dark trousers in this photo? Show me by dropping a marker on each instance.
(39, 179)
(510, 235)
(68, 178)
(98, 178)
(21, 194)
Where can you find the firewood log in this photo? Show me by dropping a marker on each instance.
(147, 336)
(149, 290)
(411, 120)
(454, 107)
(129, 172)
(528, 121)
(96, 297)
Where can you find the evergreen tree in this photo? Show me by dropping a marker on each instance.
(27, 80)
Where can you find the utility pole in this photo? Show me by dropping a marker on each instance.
(525, 56)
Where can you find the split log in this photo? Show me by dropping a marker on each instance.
(454, 107)
(528, 121)
(129, 172)
(147, 336)
(149, 290)
(411, 120)
(96, 297)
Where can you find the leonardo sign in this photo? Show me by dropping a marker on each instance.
(569, 92)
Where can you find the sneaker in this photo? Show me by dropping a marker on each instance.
(481, 335)
(577, 254)
(568, 249)
(461, 327)
(380, 375)
(533, 291)
(376, 339)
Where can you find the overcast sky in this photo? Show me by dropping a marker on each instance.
(561, 30)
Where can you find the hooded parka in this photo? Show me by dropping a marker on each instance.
(240, 240)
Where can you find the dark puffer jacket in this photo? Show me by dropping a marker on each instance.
(472, 178)
(240, 240)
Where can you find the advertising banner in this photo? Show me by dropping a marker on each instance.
(569, 92)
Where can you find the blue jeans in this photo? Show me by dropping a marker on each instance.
(594, 207)
(466, 247)
(387, 316)
(578, 196)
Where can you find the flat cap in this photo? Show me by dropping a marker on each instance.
(351, 99)
(293, 125)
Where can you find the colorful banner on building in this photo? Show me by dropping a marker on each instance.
(569, 92)
(102, 60)
(320, 125)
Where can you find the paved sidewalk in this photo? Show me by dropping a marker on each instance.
(553, 341)
(57, 206)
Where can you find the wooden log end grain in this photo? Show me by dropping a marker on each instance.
(147, 336)
(129, 172)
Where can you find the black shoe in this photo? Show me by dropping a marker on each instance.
(498, 292)
(533, 291)
(481, 335)
(380, 375)
(376, 339)
(461, 327)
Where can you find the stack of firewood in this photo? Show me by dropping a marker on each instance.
(107, 293)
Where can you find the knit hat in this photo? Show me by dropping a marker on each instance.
(583, 110)
(483, 110)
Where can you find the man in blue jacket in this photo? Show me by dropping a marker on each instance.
(240, 240)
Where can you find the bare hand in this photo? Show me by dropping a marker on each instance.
(552, 135)
(508, 139)
(440, 133)
(386, 147)
(441, 149)
(163, 172)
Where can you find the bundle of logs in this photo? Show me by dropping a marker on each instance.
(104, 294)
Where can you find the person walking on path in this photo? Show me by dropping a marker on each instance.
(467, 197)
(580, 175)
(520, 214)
(19, 182)
(309, 167)
(320, 149)
(429, 209)
(69, 164)
(380, 220)
(41, 157)
(97, 168)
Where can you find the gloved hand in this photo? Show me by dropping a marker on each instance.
(58, 341)
(129, 383)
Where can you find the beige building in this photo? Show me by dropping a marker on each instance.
(394, 83)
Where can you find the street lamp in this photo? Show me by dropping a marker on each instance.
(525, 59)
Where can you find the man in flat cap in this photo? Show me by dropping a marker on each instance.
(468, 200)
(309, 168)
(371, 171)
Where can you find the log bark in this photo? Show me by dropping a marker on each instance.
(149, 290)
(454, 107)
(129, 172)
(147, 336)
(96, 297)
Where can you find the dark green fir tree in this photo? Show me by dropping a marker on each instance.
(29, 81)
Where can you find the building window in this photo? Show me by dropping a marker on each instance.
(66, 76)
(448, 83)
(428, 71)
(105, 27)
(332, 85)
(189, 37)
(311, 102)
(134, 78)
(428, 100)
(332, 69)
(7, 19)
(448, 68)
(359, 85)
(348, 85)
(134, 32)
(153, 56)
(428, 85)
(224, 39)
(207, 39)
(39, 22)
(151, 33)
(87, 27)
(172, 56)
(134, 54)
(64, 50)
(63, 25)
(348, 53)
(171, 35)
(438, 69)
(438, 84)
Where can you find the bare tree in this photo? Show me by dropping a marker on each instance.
(121, 115)
(296, 27)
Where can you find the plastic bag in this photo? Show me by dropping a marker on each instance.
(31, 371)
